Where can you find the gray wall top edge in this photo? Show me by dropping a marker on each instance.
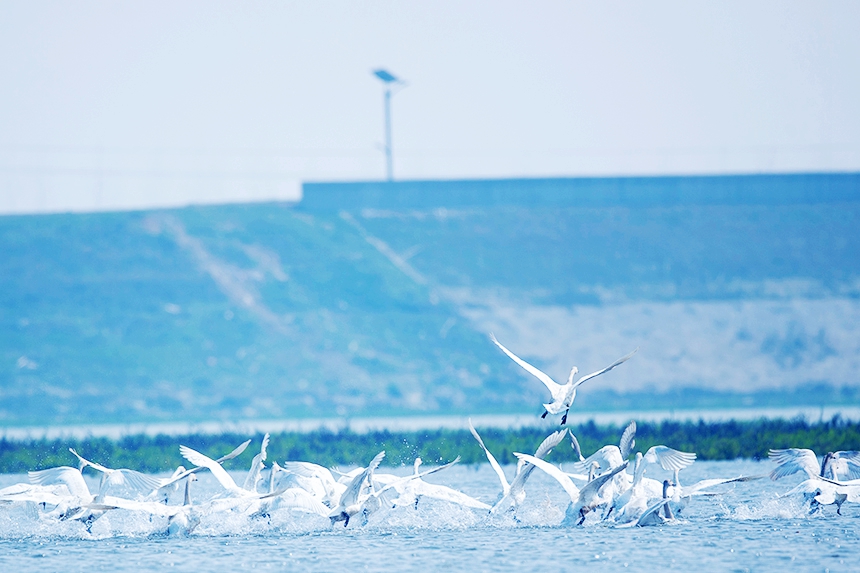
(639, 191)
(595, 178)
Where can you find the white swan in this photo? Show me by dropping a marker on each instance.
(221, 475)
(834, 464)
(411, 491)
(317, 480)
(610, 456)
(820, 491)
(632, 502)
(138, 482)
(76, 505)
(257, 466)
(357, 491)
(361, 497)
(293, 498)
(514, 494)
(57, 496)
(67, 476)
(582, 501)
(563, 395)
(181, 519)
(669, 459)
(659, 513)
(681, 495)
(171, 484)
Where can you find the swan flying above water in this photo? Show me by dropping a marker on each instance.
(563, 395)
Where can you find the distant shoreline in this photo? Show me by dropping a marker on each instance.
(723, 440)
(364, 425)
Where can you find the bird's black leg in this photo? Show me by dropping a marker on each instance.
(542, 416)
(564, 418)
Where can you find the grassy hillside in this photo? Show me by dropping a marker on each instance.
(218, 312)
(271, 310)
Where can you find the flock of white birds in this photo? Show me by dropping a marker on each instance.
(600, 484)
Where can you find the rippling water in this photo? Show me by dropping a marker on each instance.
(747, 528)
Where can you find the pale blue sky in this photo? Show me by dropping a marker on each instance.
(125, 105)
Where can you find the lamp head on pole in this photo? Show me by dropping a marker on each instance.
(385, 76)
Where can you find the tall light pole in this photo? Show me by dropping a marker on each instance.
(389, 80)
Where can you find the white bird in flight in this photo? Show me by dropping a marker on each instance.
(834, 464)
(563, 395)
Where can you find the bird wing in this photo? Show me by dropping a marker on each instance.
(264, 446)
(669, 458)
(51, 495)
(628, 440)
(181, 474)
(553, 472)
(238, 451)
(139, 482)
(451, 495)
(524, 469)
(621, 360)
(257, 466)
(82, 461)
(549, 443)
(606, 457)
(402, 480)
(353, 489)
(310, 470)
(647, 517)
(20, 488)
(809, 485)
(593, 487)
(218, 472)
(495, 465)
(85, 462)
(551, 385)
(574, 443)
(374, 463)
(151, 507)
(847, 462)
(62, 475)
(297, 498)
(707, 483)
(793, 460)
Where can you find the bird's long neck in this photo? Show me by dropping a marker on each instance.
(667, 511)
(272, 478)
(102, 487)
(825, 464)
(187, 500)
(638, 469)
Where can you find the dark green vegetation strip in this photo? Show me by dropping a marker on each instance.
(711, 441)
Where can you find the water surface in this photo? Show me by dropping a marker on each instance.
(749, 527)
